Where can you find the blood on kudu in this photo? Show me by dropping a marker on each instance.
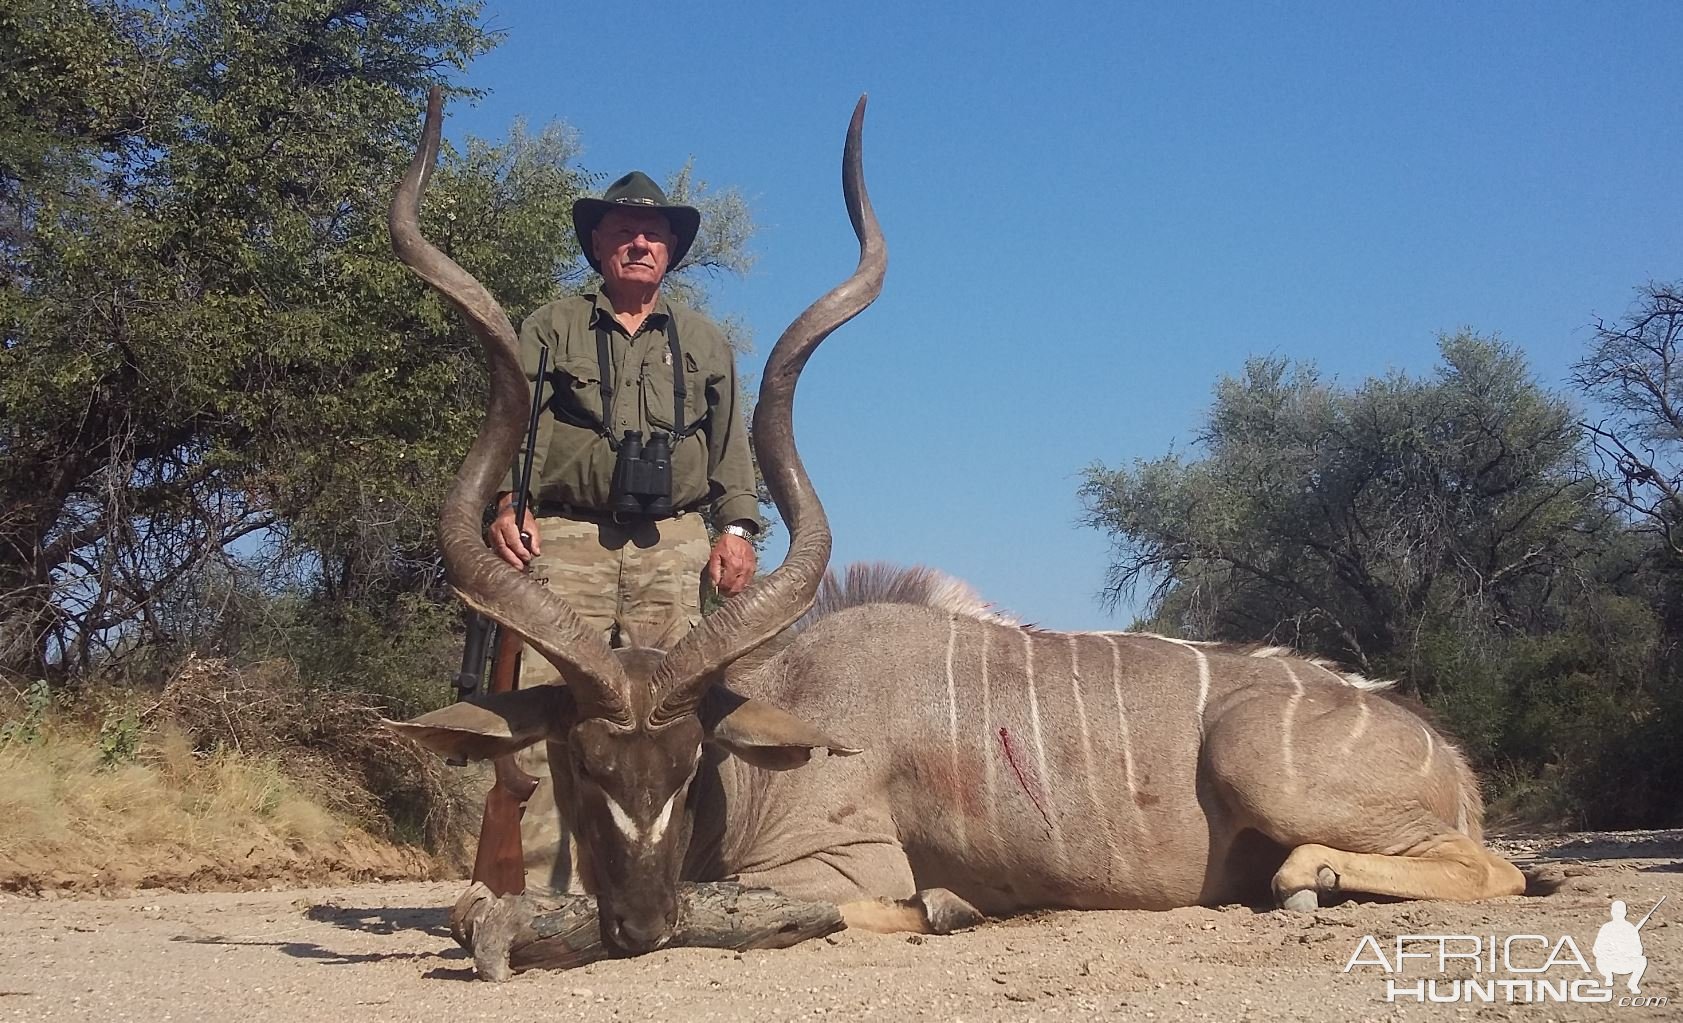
(1022, 779)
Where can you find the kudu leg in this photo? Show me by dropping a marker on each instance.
(930, 911)
(1361, 792)
(1452, 868)
(871, 882)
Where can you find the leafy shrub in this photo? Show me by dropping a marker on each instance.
(36, 701)
(119, 738)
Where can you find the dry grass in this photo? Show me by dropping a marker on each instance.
(69, 815)
(228, 777)
(330, 740)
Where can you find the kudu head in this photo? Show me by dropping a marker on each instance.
(633, 721)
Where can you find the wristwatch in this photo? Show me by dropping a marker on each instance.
(740, 530)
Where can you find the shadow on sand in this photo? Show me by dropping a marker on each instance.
(433, 920)
(382, 920)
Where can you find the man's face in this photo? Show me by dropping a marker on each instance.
(633, 247)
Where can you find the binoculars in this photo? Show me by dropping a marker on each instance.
(642, 482)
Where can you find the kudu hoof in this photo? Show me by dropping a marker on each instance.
(1305, 900)
(945, 912)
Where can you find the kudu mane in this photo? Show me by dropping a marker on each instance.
(876, 582)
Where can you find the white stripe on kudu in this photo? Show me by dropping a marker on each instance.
(952, 726)
(988, 741)
(1203, 676)
(1087, 746)
(1049, 811)
(1431, 748)
(1122, 721)
(1288, 720)
(1348, 746)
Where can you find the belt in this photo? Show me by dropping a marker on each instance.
(556, 509)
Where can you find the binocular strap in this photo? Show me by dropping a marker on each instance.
(605, 362)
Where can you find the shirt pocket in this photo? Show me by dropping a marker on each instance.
(658, 396)
(576, 392)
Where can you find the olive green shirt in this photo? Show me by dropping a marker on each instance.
(573, 463)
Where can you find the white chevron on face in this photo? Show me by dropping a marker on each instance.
(631, 829)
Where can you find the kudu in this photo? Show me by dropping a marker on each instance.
(1011, 768)
(1008, 768)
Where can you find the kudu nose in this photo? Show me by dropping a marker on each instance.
(635, 938)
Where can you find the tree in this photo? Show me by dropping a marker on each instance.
(1441, 531)
(215, 378)
(1348, 520)
(1635, 368)
(184, 186)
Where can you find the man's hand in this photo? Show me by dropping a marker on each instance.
(504, 537)
(731, 565)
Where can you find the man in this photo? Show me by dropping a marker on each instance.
(634, 574)
(623, 357)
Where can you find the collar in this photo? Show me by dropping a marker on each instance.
(602, 313)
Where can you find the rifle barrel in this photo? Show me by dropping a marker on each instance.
(525, 479)
(1650, 912)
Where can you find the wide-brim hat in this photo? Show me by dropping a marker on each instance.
(637, 191)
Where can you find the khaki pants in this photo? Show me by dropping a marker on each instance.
(640, 584)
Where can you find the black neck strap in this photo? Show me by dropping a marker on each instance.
(604, 361)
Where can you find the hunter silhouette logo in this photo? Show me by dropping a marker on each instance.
(1513, 969)
(1618, 947)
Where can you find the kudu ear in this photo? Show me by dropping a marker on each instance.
(762, 734)
(493, 725)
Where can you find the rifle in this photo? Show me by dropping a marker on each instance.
(500, 861)
(474, 652)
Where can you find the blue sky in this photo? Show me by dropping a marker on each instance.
(1094, 210)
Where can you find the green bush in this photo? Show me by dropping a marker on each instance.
(119, 738)
(36, 700)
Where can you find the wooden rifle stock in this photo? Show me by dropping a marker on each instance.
(500, 861)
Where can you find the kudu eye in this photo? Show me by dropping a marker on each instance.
(580, 768)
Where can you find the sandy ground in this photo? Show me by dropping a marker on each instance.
(383, 952)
